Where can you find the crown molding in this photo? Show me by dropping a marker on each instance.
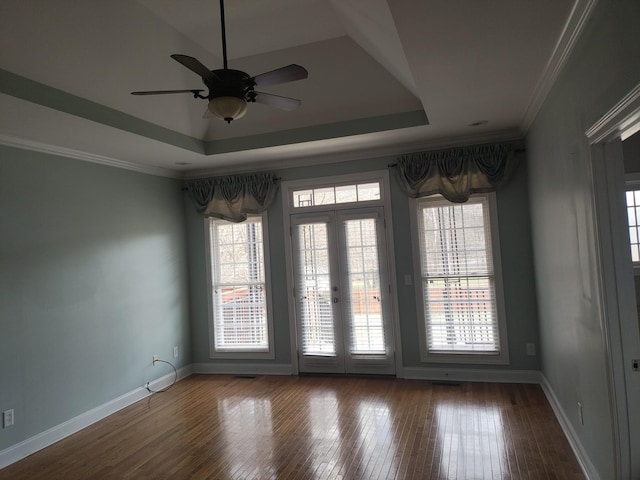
(40, 147)
(573, 28)
(376, 151)
(622, 116)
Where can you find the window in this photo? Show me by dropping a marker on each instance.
(633, 216)
(331, 195)
(460, 302)
(239, 304)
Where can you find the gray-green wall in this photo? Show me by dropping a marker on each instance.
(603, 68)
(514, 223)
(93, 283)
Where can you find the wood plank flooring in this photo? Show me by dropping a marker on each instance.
(271, 427)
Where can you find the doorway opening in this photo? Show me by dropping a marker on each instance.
(617, 287)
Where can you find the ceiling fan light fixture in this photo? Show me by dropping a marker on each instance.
(228, 108)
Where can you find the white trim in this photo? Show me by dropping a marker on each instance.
(54, 434)
(243, 368)
(40, 147)
(619, 119)
(572, 30)
(391, 266)
(630, 131)
(288, 260)
(455, 374)
(572, 437)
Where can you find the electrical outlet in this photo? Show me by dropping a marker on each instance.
(531, 349)
(155, 359)
(175, 352)
(7, 418)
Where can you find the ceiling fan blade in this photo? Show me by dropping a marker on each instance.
(283, 103)
(164, 92)
(195, 66)
(289, 73)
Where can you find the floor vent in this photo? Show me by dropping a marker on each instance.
(444, 383)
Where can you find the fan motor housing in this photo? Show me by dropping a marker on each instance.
(233, 83)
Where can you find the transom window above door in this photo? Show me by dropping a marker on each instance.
(336, 194)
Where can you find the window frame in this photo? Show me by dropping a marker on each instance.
(240, 353)
(463, 357)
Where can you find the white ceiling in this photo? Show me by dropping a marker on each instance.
(378, 69)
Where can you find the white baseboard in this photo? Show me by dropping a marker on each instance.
(583, 459)
(244, 368)
(44, 439)
(471, 375)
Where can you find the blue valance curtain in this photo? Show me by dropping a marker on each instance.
(234, 196)
(456, 173)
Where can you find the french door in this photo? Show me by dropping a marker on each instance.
(341, 289)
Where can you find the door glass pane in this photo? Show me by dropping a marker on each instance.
(313, 287)
(363, 277)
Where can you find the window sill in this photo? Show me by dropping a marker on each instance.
(242, 355)
(465, 358)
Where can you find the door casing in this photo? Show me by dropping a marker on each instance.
(383, 177)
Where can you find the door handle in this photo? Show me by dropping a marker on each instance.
(335, 300)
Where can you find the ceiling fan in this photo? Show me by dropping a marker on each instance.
(231, 90)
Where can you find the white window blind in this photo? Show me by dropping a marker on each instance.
(238, 286)
(458, 280)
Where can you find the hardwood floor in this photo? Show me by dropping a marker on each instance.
(224, 427)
